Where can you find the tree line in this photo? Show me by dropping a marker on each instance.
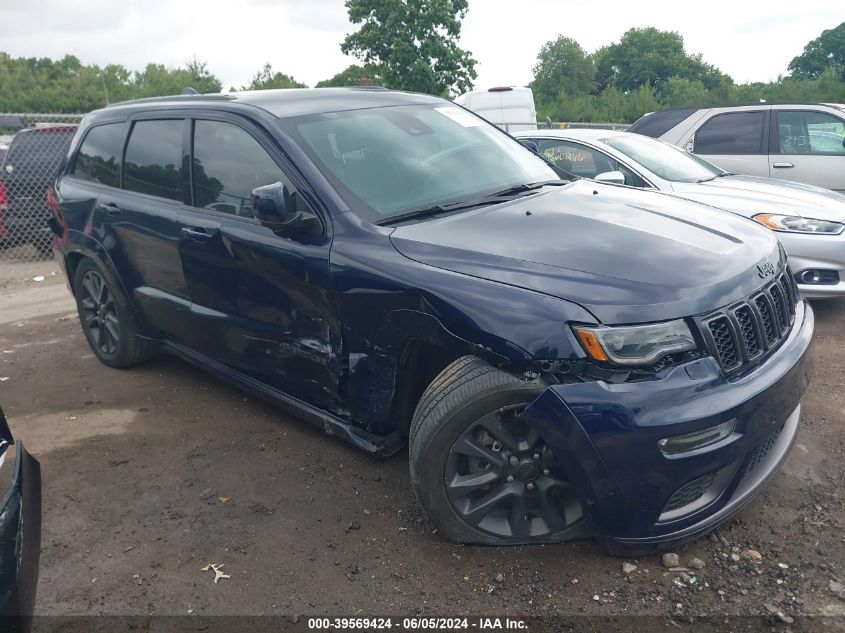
(413, 45)
(649, 69)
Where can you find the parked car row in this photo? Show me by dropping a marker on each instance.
(808, 220)
(564, 357)
(804, 142)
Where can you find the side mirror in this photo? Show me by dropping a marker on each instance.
(277, 208)
(530, 145)
(612, 177)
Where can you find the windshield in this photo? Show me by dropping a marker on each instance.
(388, 161)
(667, 161)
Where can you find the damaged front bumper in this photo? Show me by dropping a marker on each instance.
(638, 499)
(20, 532)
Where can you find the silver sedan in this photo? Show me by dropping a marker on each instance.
(808, 220)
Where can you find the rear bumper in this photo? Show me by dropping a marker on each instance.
(20, 544)
(605, 437)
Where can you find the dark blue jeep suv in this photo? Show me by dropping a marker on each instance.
(562, 357)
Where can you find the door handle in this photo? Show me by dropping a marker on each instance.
(198, 234)
(110, 208)
(782, 165)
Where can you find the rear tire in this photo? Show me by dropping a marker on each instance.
(107, 321)
(483, 475)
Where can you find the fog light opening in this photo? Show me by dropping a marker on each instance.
(811, 277)
(697, 439)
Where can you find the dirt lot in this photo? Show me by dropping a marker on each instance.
(151, 473)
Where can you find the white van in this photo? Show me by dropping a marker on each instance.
(510, 108)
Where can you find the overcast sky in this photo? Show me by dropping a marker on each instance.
(749, 41)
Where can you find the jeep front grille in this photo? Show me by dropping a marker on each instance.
(743, 333)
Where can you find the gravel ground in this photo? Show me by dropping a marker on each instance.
(152, 473)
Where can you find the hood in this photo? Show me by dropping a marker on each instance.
(750, 195)
(626, 255)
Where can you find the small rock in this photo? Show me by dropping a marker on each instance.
(753, 554)
(783, 565)
(628, 568)
(574, 581)
(354, 526)
(695, 563)
(671, 560)
(137, 578)
(366, 513)
(500, 577)
(837, 588)
(205, 494)
(735, 558)
(596, 598)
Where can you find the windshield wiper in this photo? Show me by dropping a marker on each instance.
(504, 195)
(726, 173)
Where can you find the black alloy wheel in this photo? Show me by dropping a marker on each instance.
(99, 313)
(502, 478)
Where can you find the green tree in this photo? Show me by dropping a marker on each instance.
(414, 42)
(826, 51)
(266, 79)
(157, 80)
(650, 56)
(562, 65)
(679, 91)
(352, 76)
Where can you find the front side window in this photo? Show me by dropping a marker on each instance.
(666, 161)
(98, 159)
(228, 163)
(809, 132)
(153, 160)
(584, 161)
(731, 133)
(392, 160)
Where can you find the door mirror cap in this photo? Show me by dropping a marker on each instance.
(612, 177)
(275, 206)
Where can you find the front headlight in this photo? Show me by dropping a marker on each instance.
(797, 224)
(635, 344)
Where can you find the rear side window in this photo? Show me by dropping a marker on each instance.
(731, 133)
(228, 165)
(810, 132)
(98, 159)
(154, 158)
(657, 124)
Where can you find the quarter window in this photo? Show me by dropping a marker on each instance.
(98, 159)
(228, 163)
(731, 133)
(808, 132)
(153, 159)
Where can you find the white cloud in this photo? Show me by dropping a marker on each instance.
(302, 37)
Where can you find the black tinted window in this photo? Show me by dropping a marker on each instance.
(98, 159)
(35, 154)
(731, 133)
(658, 123)
(228, 165)
(153, 159)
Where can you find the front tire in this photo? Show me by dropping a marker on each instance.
(482, 474)
(107, 322)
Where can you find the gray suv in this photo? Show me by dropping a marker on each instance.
(790, 141)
